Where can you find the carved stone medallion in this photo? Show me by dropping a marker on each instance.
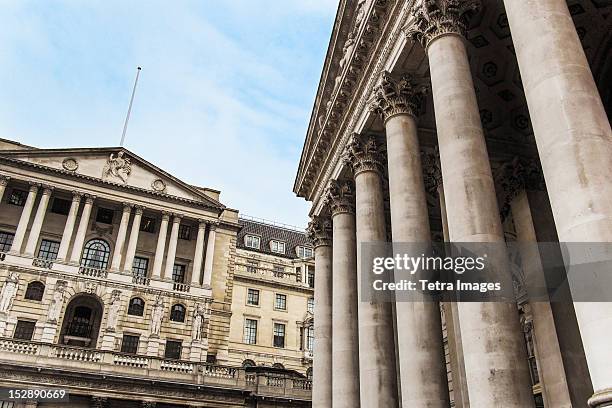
(70, 164)
(158, 185)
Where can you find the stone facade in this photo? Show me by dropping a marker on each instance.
(460, 121)
(119, 281)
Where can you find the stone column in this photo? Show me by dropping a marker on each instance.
(121, 235)
(39, 218)
(320, 233)
(133, 242)
(161, 246)
(574, 139)
(176, 222)
(79, 240)
(494, 351)
(62, 252)
(199, 252)
(419, 328)
(345, 340)
(24, 220)
(3, 183)
(377, 365)
(210, 253)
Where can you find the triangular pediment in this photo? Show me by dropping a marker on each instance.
(112, 165)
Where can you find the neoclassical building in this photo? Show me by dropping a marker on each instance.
(459, 121)
(118, 284)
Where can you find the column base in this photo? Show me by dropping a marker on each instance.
(601, 399)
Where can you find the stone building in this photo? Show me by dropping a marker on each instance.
(117, 284)
(462, 121)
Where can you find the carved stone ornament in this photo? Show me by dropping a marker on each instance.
(9, 291)
(113, 310)
(340, 197)
(197, 329)
(55, 308)
(435, 18)
(157, 315)
(515, 176)
(319, 231)
(364, 154)
(118, 167)
(70, 164)
(158, 185)
(397, 96)
(432, 173)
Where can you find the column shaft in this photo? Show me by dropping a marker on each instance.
(121, 235)
(574, 139)
(176, 222)
(24, 220)
(62, 253)
(133, 242)
(495, 344)
(161, 246)
(210, 254)
(79, 240)
(3, 183)
(418, 324)
(199, 252)
(39, 218)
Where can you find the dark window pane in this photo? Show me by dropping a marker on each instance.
(129, 344)
(147, 224)
(18, 197)
(178, 273)
(136, 307)
(280, 302)
(140, 266)
(6, 240)
(60, 206)
(35, 291)
(95, 254)
(185, 232)
(173, 349)
(177, 313)
(250, 331)
(253, 297)
(279, 335)
(311, 276)
(24, 330)
(48, 249)
(105, 216)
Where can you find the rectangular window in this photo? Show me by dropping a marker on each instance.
(178, 273)
(140, 266)
(18, 198)
(253, 297)
(24, 330)
(304, 252)
(129, 344)
(48, 250)
(147, 224)
(311, 305)
(105, 216)
(173, 349)
(60, 206)
(252, 241)
(250, 331)
(279, 335)
(311, 276)
(277, 246)
(280, 302)
(310, 338)
(185, 232)
(6, 240)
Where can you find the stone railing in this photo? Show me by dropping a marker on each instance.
(181, 287)
(37, 354)
(42, 263)
(273, 275)
(93, 272)
(141, 280)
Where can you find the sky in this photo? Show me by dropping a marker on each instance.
(224, 95)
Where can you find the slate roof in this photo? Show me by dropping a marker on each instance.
(267, 232)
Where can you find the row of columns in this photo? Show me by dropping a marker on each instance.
(130, 252)
(574, 137)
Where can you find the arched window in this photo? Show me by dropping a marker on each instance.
(248, 363)
(95, 254)
(177, 313)
(35, 291)
(278, 365)
(136, 307)
(309, 373)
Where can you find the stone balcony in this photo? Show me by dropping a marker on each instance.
(38, 264)
(270, 276)
(43, 356)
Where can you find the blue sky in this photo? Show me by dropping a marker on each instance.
(224, 96)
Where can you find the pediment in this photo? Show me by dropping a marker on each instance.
(112, 165)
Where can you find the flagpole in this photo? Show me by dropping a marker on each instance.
(127, 118)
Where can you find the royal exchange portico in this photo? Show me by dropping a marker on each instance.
(463, 121)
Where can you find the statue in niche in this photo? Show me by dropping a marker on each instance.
(157, 316)
(57, 302)
(198, 322)
(113, 310)
(117, 166)
(361, 10)
(9, 290)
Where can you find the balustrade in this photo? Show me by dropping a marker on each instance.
(130, 361)
(77, 354)
(93, 272)
(42, 263)
(181, 287)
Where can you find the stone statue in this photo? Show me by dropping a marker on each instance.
(157, 316)
(117, 166)
(55, 308)
(113, 310)
(198, 322)
(361, 10)
(9, 290)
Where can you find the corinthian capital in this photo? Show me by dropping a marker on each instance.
(515, 176)
(4, 180)
(397, 96)
(319, 231)
(341, 197)
(434, 18)
(364, 154)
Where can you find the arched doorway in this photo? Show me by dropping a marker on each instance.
(81, 324)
